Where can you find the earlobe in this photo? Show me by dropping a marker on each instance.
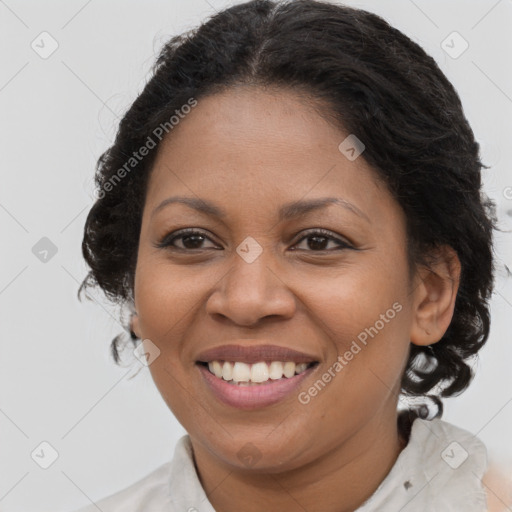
(435, 294)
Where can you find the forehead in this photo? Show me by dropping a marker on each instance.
(260, 148)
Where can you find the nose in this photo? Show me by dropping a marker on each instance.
(250, 292)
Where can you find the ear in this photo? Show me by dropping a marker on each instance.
(134, 324)
(435, 291)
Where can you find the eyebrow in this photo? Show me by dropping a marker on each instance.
(287, 211)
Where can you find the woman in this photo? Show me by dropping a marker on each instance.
(292, 210)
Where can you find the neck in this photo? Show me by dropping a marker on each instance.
(338, 481)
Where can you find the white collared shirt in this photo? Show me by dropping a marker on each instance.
(440, 470)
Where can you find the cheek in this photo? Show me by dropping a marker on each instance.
(164, 300)
(164, 296)
(368, 350)
(355, 298)
(365, 317)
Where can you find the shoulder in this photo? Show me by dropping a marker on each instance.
(447, 463)
(155, 491)
(448, 446)
(456, 453)
(136, 497)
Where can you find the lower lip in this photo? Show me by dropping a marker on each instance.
(255, 396)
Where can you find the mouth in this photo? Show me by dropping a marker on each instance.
(239, 373)
(255, 376)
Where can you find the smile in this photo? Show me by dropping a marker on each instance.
(253, 376)
(243, 374)
(247, 394)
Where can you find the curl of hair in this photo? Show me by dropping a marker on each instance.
(368, 79)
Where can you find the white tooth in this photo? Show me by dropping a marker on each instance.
(276, 370)
(289, 369)
(241, 372)
(210, 367)
(227, 370)
(216, 368)
(259, 372)
(301, 367)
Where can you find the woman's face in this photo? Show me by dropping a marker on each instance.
(252, 278)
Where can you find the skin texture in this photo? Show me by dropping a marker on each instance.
(251, 150)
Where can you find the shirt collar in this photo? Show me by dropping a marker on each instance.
(441, 469)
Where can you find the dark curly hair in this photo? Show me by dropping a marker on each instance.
(374, 82)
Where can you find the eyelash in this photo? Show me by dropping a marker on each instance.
(167, 241)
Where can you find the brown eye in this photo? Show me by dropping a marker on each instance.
(320, 238)
(191, 239)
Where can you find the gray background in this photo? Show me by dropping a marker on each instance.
(57, 114)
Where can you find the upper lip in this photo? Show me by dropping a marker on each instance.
(254, 354)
